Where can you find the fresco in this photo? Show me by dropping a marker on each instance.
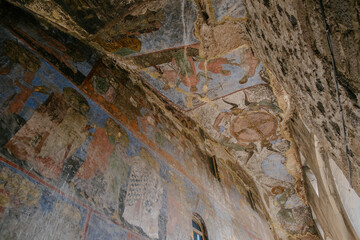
(165, 25)
(175, 29)
(189, 81)
(178, 208)
(242, 124)
(124, 36)
(63, 137)
(100, 228)
(248, 124)
(93, 20)
(290, 208)
(232, 9)
(36, 208)
(166, 137)
(122, 145)
(75, 167)
(113, 89)
(129, 28)
(127, 102)
(273, 166)
(70, 56)
(143, 197)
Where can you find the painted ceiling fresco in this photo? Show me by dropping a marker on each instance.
(77, 126)
(167, 24)
(189, 81)
(89, 153)
(248, 124)
(160, 36)
(231, 98)
(232, 9)
(174, 67)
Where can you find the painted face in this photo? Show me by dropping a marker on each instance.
(76, 100)
(116, 133)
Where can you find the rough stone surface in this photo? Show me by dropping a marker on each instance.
(292, 42)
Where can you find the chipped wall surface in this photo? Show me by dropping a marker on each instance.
(290, 39)
(292, 42)
(93, 158)
(326, 199)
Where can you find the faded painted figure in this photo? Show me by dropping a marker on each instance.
(54, 132)
(28, 211)
(249, 63)
(105, 169)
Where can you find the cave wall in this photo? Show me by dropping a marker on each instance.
(87, 154)
(291, 40)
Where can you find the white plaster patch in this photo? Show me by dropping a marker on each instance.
(310, 175)
(348, 196)
(317, 223)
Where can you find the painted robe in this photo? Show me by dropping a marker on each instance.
(52, 134)
(97, 157)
